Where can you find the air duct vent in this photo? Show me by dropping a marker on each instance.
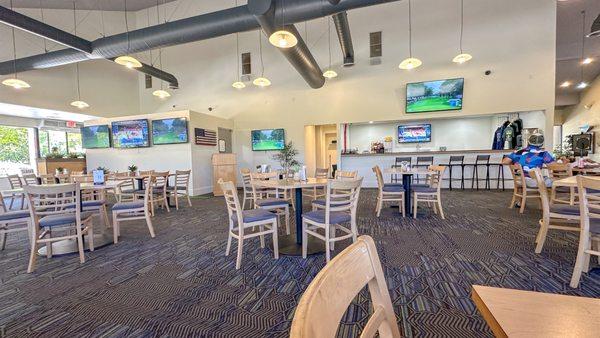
(246, 64)
(375, 44)
(148, 79)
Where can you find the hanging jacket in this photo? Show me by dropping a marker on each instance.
(498, 143)
(509, 137)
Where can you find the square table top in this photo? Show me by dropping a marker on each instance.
(517, 313)
(570, 181)
(290, 183)
(408, 172)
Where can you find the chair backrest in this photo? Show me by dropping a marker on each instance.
(82, 178)
(48, 179)
(328, 296)
(457, 159)
(343, 175)
(518, 175)
(425, 160)
(161, 179)
(77, 173)
(146, 172)
(342, 195)
(246, 178)
(53, 200)
(322, 173)
(30, 179)
(25, 171)
(482, 158)
(589, 204)
(182, 178)
(399, 160)
(63, 178)
(536, 174)
(559, 170)
(435, 179)
(264, 176)
(14, 181)
(232, 202)
(379, 176)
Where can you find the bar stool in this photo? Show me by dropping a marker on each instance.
(481, 160)
(423, 162)
(398, 178)
(456, 161)
(500, 175)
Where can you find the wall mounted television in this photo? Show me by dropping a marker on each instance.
(130, 134)
(95, 137)
(170, 131)
(416, 133)
(432, 96)
(268, 139)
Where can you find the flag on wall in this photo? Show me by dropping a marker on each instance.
(205, 137)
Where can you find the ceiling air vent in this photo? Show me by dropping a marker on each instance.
(375, 48)
(148, 79)
(246, 67)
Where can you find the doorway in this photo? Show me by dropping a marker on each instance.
(321, 143)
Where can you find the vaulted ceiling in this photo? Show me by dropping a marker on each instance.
(106, 5)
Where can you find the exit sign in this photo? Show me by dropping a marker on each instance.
(71, 124)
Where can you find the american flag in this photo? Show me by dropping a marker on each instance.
(205, 137)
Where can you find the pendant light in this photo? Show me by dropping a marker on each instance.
(160, 93)
(462, 57)
(582, 84)
(15, 82)
(283, 38)
(261, 81)
(237, 84)
(329, 73)
(128, 60)
(77, 103)
(410, 62)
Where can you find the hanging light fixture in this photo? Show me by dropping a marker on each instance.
(329, 73)
(595, 31)
(77, 103)
(462, 57)
(410, 62)
(15, 82)
(582, 84)
(128, 60)
(261, 81)
(237, 84)
(283, 38)
(160, 93)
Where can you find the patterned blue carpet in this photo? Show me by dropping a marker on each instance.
(180, 284)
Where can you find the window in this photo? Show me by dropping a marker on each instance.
(375, 44)
(74, 143)
(60, 142)
(14, 150)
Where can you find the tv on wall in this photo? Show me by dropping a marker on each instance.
(130, 134)
(170, 131)
(434, 96)
(416, 133)
(94, 137)
(268, 139)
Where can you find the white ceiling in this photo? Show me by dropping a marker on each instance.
(569, 44)
(106, 5)
(38, 113)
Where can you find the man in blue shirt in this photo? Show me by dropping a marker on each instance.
(530, 157)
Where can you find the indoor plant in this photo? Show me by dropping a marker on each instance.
(132, 169)
(287, 158)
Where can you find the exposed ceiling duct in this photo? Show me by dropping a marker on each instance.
(343, 32)
(201, 27)
(299, 55)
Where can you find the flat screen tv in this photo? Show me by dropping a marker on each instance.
(434, 96)
(130, 134)
(170, 131)
(268, 139)
(95, 137)
(416, 133)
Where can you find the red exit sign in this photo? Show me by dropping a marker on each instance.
(71, 124)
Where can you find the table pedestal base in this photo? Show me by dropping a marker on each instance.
(289, 247)
(69, 246)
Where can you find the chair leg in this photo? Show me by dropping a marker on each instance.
(80, 247)
(2, 240)
(513, 201)
(90, 234)
(115, 228)
(104, 213)
(581, 258)
(332, 233)
(403, 206)
(150, 227)
(166, 203)
(244, 201)
(32, 255)
(439, 203)
(379, 204)
(287, 220)
(261, 228)
(175, 195)
(586, 261)
(523, 200)
(354, 229)
(188, 199)
(541, 237)
(49, 246)
(275, 241)
(238, 262)
(304, 239)
(327, 246)
(415, 206)
(228, 248)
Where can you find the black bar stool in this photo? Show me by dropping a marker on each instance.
(481, 160)
(500, 175)
(395, 177)
(423, 162)
(456, 161)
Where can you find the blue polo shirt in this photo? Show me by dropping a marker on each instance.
(531, 157)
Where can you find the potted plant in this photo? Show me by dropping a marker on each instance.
(105, 170)
(60, 170)
(287, 158)
(132, 169)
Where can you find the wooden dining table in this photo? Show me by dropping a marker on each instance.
(407, 177)
(292, 244)
(517, 313)
(571, 181)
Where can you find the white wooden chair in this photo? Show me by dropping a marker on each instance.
(328, 296)
(554, 216)
(248, 194)
(93, 200)
(317, 192)
(277, 204)
(589, 205)
(30, 179)
(133, 210)
(47, 179)
(559, 171)
(341, 201)
(158, 194)
(13, 221)
(15, 183)
(181, 187)
(432, 194)
(521, 192)
(243, 223)
(345, 175)
(125, 190)
(53, 209)
(390, 192)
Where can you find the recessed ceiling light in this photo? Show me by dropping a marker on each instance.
(587, 61)
(565, 84)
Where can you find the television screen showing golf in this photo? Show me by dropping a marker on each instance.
(434, 96)
(170, 131)
(94, 137)
(268, 139)
(130, 134)
(414, 133)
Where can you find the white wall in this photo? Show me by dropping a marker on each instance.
(578, 115)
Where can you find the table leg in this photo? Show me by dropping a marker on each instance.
(406, 179)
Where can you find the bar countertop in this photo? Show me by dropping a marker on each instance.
(432, 152)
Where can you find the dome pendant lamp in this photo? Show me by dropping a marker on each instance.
(237, 84)
(329, 73)
(160, 93)
(595, 31)
(128, 60)
(462, 57)
(262, 81)
(283, 38)
(15, 82)
(410, 62)
(77, 103)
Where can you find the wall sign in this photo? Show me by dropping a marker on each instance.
(205, 137)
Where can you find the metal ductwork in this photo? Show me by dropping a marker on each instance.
(157, 73)
(201, 27)
(299, 55)
(342, 27)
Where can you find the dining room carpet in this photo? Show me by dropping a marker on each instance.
(180, 284)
